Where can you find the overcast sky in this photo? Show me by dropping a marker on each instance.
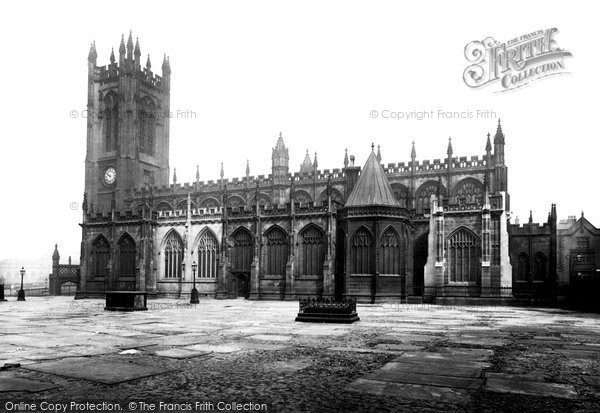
(313, 70)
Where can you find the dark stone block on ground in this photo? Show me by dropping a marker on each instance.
(126, 301)
(325, 310)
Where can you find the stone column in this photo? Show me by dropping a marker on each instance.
(485, 251)
(439, 245)
(255, 267)
(505, 266)
(410, 279)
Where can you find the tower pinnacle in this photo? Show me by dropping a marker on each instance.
(166, 66)
(449, 151)
(499, 136)
(306, 166)
(413, 152)
(92, 55)
(346, 158)
(137, 52)
(130, 46)
(122, 45)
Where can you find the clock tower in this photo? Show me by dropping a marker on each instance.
(127, 127)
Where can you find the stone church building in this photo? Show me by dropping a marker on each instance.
(402, 231)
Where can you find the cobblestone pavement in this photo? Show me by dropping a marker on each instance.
(397, 358)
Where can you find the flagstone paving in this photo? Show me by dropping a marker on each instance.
(397, 358)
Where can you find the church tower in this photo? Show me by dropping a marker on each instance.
(127, 127)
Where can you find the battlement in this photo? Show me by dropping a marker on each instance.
(530, 228)
(456, 204)
(197, 213)
(120, 216)
(238, 183)
(427, 165)
(113, 71)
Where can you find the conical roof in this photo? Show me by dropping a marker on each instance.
(372, 187)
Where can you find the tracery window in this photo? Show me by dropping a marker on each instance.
(401, 193)
(208, 250)
(126, 248)
(173, 255)
(100, 256)
(468, 191)
(146, 127)
(363, 252)
(540, 267)
(242, 250)
(392, 253)
(111, 123)
(277, 250)
(312, 251)
(464, 253)
(423, 196)
(523, 267)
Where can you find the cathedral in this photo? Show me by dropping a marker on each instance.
(403, 232)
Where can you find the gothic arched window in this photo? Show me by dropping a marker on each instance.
(150, 134)
(392, 253)
(100, 256)
(302, 197)
(242, 250)
(276, 252)
(126, 248)
(464, 253)
(209, 203)
(468, 191)
(540, 267)
(173, 255)
(208, 250)
(235, 202)
(143, 126)
(312, 250)
(423, 195)
(401, 193)
(108, 130)
(111, 123)
(363, 252)
(523, 272)
(146, 127)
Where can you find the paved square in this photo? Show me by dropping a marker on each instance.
(98, 370)
(397, 358)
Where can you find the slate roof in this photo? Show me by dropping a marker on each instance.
(372, 187)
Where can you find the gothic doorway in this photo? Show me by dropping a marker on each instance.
(240, 285)
(419, 261)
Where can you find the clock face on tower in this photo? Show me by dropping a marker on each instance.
(110, 175)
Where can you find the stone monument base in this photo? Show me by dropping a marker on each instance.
(126, 301)
(325, 310)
